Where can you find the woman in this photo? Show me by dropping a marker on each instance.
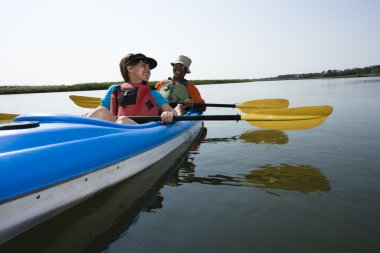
(134, 97)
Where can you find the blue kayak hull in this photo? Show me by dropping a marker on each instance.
(66, 159)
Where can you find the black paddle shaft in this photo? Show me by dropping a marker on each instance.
(188, 118)
(207, 104)
(215, 105)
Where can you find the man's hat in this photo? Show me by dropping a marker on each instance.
(184, 60)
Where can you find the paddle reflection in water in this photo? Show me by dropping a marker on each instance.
(265, 137)
(187, 172)
(255, 137)
(95, 223)
(301, 178)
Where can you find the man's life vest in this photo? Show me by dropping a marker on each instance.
(133, 100)
(175, 92)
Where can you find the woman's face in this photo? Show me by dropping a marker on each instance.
(139, 72)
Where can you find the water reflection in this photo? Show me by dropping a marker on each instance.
(265, 137)
(94, 224)
(290, 177)
(255, 137)
(301, 178)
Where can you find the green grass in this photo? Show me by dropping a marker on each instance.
(93, 86)
(355, 72)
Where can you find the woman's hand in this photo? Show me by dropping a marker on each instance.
(167, 113)
(167, 116)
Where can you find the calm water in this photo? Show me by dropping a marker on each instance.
(240, 189)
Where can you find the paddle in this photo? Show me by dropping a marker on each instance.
(7, 116)
(277, 119)
(247, 107)
(253, 105)
(85, 102)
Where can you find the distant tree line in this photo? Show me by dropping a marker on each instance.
(53, 88)
(93, 86)
(355, 72)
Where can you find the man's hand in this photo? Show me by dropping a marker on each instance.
(200, 107)
(189, 103)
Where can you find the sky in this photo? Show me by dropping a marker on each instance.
(52, 42)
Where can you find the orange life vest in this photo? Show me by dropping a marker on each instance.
(133, 100)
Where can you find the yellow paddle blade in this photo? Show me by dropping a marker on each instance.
(86, 102)
(260, 104)
(7, 116)
(289, 118)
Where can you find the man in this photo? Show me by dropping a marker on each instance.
(134, 97)
(178, 90)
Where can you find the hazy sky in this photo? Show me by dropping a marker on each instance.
(75, 41)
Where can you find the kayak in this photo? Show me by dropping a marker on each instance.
(50, 162)
(115, 209)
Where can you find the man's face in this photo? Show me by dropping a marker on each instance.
(179, 71)
(139, 72)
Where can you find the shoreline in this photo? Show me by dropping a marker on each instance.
(8, 90)
(25, 89)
